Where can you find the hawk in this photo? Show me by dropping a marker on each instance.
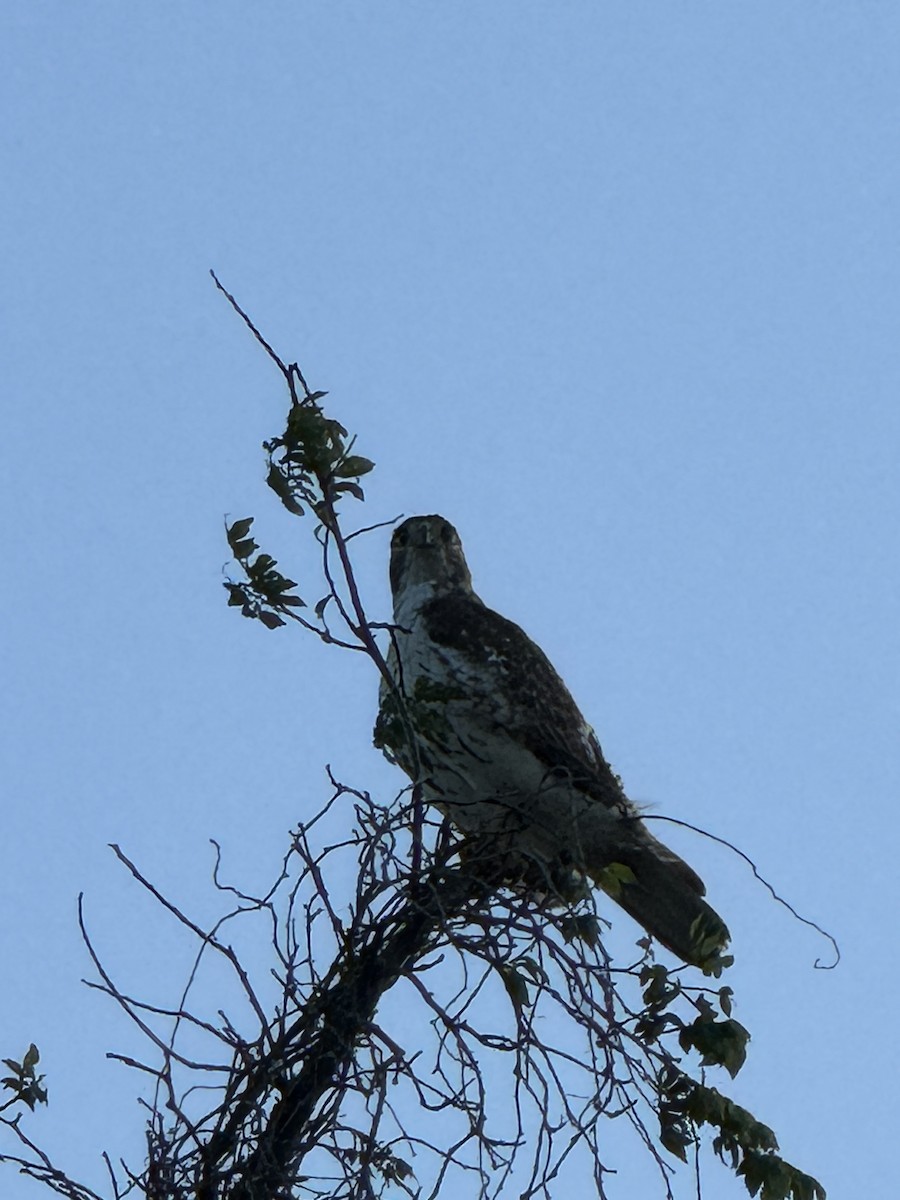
(481, 719)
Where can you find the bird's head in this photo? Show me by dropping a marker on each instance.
(427, 552)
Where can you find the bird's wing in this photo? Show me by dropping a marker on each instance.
(541, 714)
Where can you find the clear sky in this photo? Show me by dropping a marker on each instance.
(616, 289)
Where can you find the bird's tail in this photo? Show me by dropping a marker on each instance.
(665, 895)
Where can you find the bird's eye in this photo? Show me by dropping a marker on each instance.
(401, 536)
(447, 533)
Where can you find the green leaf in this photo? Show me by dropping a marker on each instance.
(659, 989)
(282, 488)
(391, 1167)
(24, 1083)
(776, 1179)
(353, 488)
(353, 466)
(314, 442)
(262, 564)
(239, 530)
(719, 1043)
(650, 1028)
(271, 620)
(307, 423)
(612, 877)
(583, 928)
(807, 1188)
(768, 1173)
(236, 594)
(243, 550)
(322, 511)
(676, 1140)
(335, 429)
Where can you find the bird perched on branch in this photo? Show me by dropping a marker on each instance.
(481, 719)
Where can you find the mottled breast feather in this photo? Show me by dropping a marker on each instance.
(544, 717)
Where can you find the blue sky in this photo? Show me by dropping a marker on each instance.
(615, 288)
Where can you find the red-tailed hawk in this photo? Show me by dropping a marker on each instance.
(504, 751)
